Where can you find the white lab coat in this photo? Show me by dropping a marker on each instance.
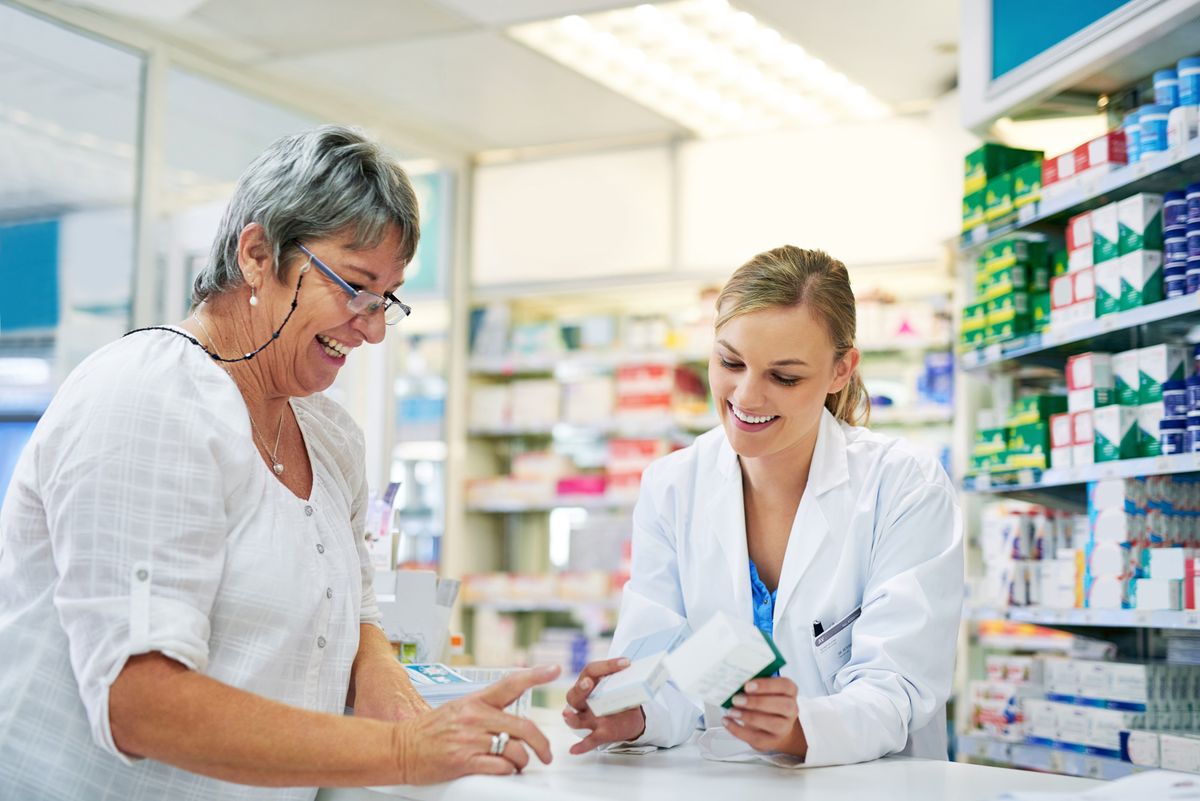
(878, 527)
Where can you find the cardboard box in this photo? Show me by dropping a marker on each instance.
(1059, 263)
(630, 688)
(1029, 446)
(1027, 183)
(1035, 409)
(1179, 751)
(990, 160)
(1012, 251)
(1115, 431)
(1083, 434)
(1039, 312)
(720, 657)
(1141, 278)
(1149, 415)
(1108, 287)
(1157, 594)
(973, 210)
(1079, 241)
(1125, 377)
(1140, 748)
(1114, 527)
(1158, 364)
(1139, 222)
(1090, 371)
(998, 200)
(1105, 232)
(1061, 435)
(1101, 155)
(990, 441)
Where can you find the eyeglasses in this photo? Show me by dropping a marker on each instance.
(361, 301)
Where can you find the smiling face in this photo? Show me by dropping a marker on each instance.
(323, 332)
(770, 372)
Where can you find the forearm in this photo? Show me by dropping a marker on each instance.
(375, 665)
(161, 710)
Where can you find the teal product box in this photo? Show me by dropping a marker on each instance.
(1125, 378)
(1141, 278)
(1105, 233)
(1158, 364)
(1109, 287)
(1140, 223)
(1116, 433)
(1148, 416)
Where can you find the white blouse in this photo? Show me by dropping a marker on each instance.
(141, 518)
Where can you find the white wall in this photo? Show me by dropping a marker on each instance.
(887, 192)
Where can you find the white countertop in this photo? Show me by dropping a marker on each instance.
(681, 773)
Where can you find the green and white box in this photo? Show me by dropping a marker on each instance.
(1158, 364)
(1116, 433)
(1148, 443)
(1125, 377)
(1139, 223)
(1141, 278)
(1105, 233)
(1108, 287)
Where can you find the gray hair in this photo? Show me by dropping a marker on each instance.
(309, 185)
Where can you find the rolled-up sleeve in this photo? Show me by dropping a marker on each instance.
(902, 647)
(135, 507)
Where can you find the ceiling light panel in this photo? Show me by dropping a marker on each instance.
(703, 63)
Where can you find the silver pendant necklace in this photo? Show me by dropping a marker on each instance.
(276, 465)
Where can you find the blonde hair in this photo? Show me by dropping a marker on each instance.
(791, 276)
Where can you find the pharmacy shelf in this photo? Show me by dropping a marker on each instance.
(577, 361)
(560, 502)
(1161, 172)
(975, 746)
(1157, 322)
(1187, 620)
(914, 416)
(1067, 484)
(515, 606)
(633, 429)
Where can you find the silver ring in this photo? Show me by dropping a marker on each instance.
(499, 743)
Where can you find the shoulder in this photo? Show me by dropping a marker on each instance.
(893, 465)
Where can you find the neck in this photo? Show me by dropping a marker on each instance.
(228, 329)
(782, 476)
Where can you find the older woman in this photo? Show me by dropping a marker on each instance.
(185, 602)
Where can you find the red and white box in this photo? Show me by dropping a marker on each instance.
(1079, 242)
(1061, 440)
(1086, 374)
(1191, 576)
(1058, 174)
(1073, 298)
(1083, 438)
(1101, 155)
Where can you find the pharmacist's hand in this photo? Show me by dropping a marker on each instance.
(616, 728)
(455, 739)
(766, 717)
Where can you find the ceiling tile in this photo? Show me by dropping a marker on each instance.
(490, 12)
(481, 90)
(301, 26)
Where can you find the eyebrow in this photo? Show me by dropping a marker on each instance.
(777, 363)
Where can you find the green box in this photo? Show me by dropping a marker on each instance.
(990, 441)
(989, 462)
(1039, 311)
(990, 160)
(1027, 183)
(1059, 263)
(1126, 378)
(974, 337)
(1139, 223)
(1158, 364)
(998, 200)
(1108, 287)
(1007, 324)
(1148, 416)
(1116, 432)
(973, 210)
(1017, 300)
(1141, 278)
(1029, 445)
(1032, 409)
(1012, 251)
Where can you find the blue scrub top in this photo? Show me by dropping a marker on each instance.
(764, 602)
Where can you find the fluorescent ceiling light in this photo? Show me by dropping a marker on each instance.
(704, 64)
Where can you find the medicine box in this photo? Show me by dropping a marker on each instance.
(1084, 436)
(1108, 287)
(720, 657)
(1149, 415)
(1139, 220)
(1089, 381)
(1141, 278)
(1105, 229)
(1158, 364)
(1115, 430)
(1079, 242)
(631, 687)
(1125, 377)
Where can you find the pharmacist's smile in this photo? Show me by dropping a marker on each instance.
(750, 422)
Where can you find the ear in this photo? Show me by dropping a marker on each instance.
(255, 255)
(844, 369)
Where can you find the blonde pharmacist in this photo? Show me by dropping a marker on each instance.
(185, 603)
(793, 515)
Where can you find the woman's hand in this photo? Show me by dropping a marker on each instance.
(618, 728)
(383, 691)
(455, 740)
(766, 717)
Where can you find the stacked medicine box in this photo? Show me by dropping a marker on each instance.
(991, 176)
(1022, 441)
(1012, 297)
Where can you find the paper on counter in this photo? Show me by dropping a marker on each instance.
(721, 746)
(1161, 785)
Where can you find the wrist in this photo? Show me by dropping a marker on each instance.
(797, 742)
(400, 743)
(641, 728)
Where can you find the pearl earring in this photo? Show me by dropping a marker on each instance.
(253, 297)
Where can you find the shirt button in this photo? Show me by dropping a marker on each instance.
(329, 592)
(143, 574)
(320, 548)
(320, 642)
(308, 510)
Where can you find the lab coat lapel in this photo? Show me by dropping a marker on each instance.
(726, 519)
(828, 478)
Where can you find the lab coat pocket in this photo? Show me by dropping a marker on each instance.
(832, 648)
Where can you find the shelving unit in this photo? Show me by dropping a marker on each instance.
(1188, 620)
(981, 748)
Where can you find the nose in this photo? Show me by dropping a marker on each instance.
(371, 326)
(750, 393)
